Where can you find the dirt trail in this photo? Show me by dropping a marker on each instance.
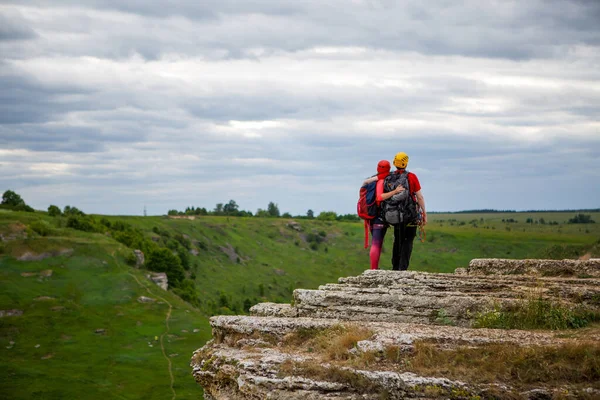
(166, 332)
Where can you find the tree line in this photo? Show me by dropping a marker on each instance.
(272, 211)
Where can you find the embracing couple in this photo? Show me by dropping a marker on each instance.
(400, 204)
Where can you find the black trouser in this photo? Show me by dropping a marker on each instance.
(404, 236)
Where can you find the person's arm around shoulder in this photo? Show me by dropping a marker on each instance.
(384, 196)
(369, 180)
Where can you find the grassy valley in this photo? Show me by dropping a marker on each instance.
(84, 333)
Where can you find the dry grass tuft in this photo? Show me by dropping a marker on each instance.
(566, 364)
(330, 374)
(333, 343)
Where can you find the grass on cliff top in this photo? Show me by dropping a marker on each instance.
(537, 313)
(575, 365)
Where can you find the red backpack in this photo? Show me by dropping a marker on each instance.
(366, 208)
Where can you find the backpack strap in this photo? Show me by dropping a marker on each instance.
(366, 233)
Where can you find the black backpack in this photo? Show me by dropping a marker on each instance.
(401, 207)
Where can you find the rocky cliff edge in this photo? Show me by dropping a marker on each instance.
(396, 335)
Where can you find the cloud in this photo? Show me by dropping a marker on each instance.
(181, 103)
(230, 29)
(14, 28)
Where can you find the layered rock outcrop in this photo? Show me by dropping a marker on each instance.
(366, 337)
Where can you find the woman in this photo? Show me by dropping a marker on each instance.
(377, 226)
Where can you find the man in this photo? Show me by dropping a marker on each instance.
(405, 227)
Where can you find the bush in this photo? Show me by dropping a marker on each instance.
(81, 224)
(184, 258)
(312, 238)
(20, 207)
(41, 227)
(134, 239)
(119, 226)
(187, 292)
(68, 210)
(54, 211)
(183, 241)
(163, 260)
(581, 219)
(131, 259)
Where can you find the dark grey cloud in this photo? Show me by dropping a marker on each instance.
(225, 29)
(23, 99)
(15, 28)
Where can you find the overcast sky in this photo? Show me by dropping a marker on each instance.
(114, 105)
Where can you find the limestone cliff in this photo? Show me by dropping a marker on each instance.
(381, 335)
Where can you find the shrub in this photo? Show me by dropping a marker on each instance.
(41, 227)
(120, 226)
(581, 219)
(130, 258)
(68, 210)
(163, 260)
(187, 292)
(105, 222)
(313, 238)
(54, 211)
(81, 224)
(134, 239)
(183, 241)
(184, 258)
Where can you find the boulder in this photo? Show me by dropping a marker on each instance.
(139, 258)
(160, 278)
(144, 299)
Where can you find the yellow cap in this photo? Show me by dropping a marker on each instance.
(401, 160)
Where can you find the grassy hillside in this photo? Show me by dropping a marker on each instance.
(84, 334)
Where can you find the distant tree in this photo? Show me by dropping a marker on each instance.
(310, 214)
(261, 213)
(218, 209)
(173, 212)
(230, 208)
(273, 210)
(10, 198)
(190, 210)
(286, 215)
(54, 211)
(327, 216)
(542, 221)
(74, 211)
(581, 219)
(348, 217)
(200, 211)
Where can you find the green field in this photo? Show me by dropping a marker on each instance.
(84, 334)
